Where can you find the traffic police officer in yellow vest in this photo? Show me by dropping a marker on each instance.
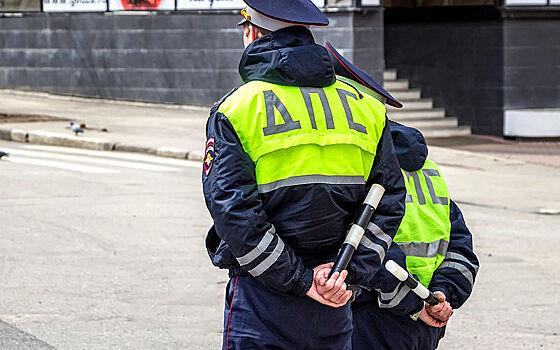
(433, 242)
(289, 158)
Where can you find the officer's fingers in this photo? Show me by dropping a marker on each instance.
(437, 308)
(320, 289)
(340, 299)
(447, 311)
(439, 295)
(331, 282)
(444, 314)
(431, 321)
(325, 266)
(322, 276)
(339, 294)
(427, 318)
(345, 297)
(434, 309)
(340, 282)
(313, 293)
(338, 289)
(339, 286)
(332, 303)
(343, 275)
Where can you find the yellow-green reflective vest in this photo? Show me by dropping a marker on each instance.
(298, 135)
(425, 229)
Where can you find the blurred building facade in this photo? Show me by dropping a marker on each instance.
(492, 64)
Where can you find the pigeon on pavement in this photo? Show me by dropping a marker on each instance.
(76, 129)
(3, 154)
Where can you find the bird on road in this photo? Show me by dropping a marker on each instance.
(76, 129)
(3, 154)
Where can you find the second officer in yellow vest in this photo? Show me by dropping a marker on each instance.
(433, 242)
(290, 156)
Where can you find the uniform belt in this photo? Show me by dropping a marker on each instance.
(237, 272)
(365, 299)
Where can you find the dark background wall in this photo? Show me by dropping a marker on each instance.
(188, 58)
(171, 58)
(359, 37)
(455, 56)
(532, 63)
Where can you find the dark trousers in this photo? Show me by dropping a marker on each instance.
(375, 328)
(256, 317)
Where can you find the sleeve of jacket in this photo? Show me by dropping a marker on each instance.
(455, 276)
(393, 295)
(231, 195)
(387, 217)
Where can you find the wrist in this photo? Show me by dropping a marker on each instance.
(303, 284)
(441, 289)
(416, 315)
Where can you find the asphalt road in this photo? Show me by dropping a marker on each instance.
(105, 251)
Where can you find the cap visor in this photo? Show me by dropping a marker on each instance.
(345, 68)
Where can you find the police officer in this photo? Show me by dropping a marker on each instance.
(289, 158)
(433, 242)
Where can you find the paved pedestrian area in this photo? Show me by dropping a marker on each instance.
(137, 124)
(536, 152)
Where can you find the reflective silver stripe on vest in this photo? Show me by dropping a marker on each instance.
(461, 268)
(457, 256)
(391, 295)
(366, 242)
(378, 232)
(271, 259)
(259, 249)
(424, 249)
(312, 179)
(397, 299)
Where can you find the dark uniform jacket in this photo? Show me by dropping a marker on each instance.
(280, 235)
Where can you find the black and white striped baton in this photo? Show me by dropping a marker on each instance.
(358, 229)
(407, 278)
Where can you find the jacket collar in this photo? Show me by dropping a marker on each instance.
(288, 56)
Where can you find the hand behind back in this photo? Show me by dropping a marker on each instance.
(331, 292)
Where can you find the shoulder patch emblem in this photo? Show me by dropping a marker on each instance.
(209, 156)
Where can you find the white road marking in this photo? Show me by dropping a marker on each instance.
(92, 160)
(60, 165)
(117, 155)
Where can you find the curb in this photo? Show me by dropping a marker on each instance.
(39, 137)
(122, 102)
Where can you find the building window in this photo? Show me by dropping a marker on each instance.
(431, 3)
(338, 3)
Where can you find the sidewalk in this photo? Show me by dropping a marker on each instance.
(177, 131)
(530, 151)
(165, 130)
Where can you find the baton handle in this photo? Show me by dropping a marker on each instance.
(407, 278)
(357, 230)
(343, 258)
(432, 299)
